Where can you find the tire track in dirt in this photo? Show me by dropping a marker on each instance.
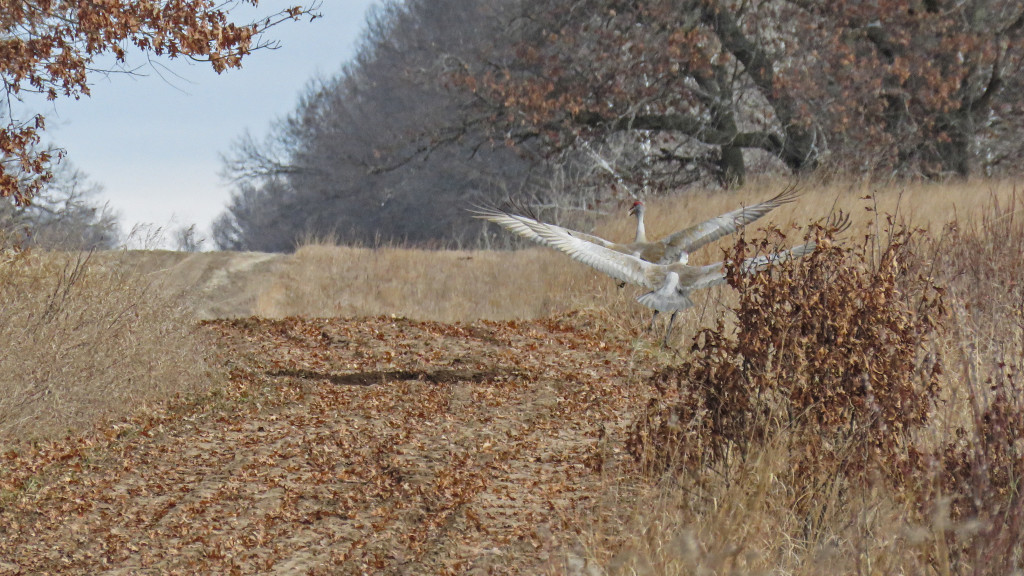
(215, 284)
(374, 446)
(225, 284)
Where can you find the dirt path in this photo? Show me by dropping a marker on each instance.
(215, 284)
(379, 446)
(227, 284)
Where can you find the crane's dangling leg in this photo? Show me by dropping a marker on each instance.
(668, 332)
(650, 327)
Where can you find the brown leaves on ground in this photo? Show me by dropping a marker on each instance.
(370, 446)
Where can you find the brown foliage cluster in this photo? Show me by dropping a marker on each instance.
(890, 86)
(50, 46)
(984, 463)
(830, 353)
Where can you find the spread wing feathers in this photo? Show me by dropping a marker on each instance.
(696, 236)
(622, 267)
(714, 274)
(759, 263)
(523, 226)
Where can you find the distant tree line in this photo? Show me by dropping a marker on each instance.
(64, 214)
(385, 150)
(572, 105)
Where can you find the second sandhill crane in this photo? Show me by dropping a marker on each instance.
(672, 247)
(669, 285)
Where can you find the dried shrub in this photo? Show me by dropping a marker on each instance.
(83, 342)
(983, 468)
(830, 353)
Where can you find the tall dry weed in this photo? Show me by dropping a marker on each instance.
(83, 342)
(980, 260)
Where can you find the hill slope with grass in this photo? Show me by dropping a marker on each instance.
(321, 280)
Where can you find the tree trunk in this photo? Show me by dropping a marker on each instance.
(799, 151)
(953, 147)
(733, 171)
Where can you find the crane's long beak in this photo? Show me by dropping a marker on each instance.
(632, 210)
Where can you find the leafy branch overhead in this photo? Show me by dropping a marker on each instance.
(50, 47)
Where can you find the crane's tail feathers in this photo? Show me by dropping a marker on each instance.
(661, 303)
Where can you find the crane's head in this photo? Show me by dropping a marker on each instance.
(637, 209)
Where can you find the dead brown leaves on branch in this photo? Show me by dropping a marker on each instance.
(830, 353)
(881, 86)
(50, 47)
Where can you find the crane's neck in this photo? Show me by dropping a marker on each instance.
(641, 233)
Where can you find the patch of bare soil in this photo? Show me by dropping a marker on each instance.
(377, 446)
(226, 284)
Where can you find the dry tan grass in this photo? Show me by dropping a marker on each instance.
(962, 514)
(81, 347)
(83, 342)
(448, 286)
(741, 519)
(324, 280)
(926, 205)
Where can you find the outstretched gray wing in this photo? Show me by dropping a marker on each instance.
(708, 231)
(579, 247)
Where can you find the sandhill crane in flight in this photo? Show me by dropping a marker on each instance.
(669, 285)
(670, 249)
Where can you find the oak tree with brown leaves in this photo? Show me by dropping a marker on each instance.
(894, 87)
(51, 47)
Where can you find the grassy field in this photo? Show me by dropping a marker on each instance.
(325, 280)
(754, 452)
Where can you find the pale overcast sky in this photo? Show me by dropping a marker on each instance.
(154, 144)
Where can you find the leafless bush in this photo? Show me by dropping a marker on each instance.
(82, 342)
